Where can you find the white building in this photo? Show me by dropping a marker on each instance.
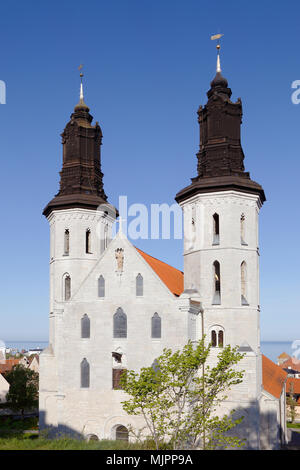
(4, 388)
(114, 307)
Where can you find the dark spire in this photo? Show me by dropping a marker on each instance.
(81, 179)
(220, 156)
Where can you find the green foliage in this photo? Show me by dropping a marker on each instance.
(23, 390)
(178, 397)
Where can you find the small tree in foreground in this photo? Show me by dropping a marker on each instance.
(179, 394)
(23, 389)
(291, 403)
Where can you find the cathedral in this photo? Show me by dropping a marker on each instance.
(114, 307)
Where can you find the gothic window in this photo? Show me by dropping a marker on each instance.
(85, 373)
(213, 338)
(244, 283)
(88, 241)
(120, 324)
(67, 287)
(156, 326)
(216, 229)
(139, 285)
(217, 337)
(101, 286)
(105, 236)
(85, 326)
(121, 433)
(217, 283)
(116, 377)
(242, 228)
(66, 242)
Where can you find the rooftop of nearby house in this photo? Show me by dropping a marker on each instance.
(8, 364)
(273, 377)
(171, 277)
(291, 362)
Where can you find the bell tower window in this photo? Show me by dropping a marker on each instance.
(66, 242)
(216, 229)
(217, 283)
(88, 241)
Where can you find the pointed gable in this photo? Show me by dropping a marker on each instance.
(171, 277)
(273, 377)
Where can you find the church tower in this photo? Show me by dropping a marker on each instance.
(221, 252)
(79, 215)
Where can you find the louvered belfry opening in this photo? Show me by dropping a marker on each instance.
(122, 433)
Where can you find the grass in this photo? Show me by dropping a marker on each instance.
(33, 442)
(293, 425)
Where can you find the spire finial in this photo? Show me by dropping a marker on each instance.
(81, 85)
(218, 37)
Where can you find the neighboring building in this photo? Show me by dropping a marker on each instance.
(292, 363)
(4, 388)
(282, 358)
(293, 391)
(34, 363)
(113, 307)
(273, 406)
(7, 365)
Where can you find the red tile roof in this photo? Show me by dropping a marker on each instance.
(7, 365)
(291, 362)
(295, 382)
(282, 355)
(273, 377)
(171, 277)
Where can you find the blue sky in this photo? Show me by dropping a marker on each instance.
(147, 65)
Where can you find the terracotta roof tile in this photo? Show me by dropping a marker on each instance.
(291, 381)
(291, 362)
(7, 365)
(171, 277)
(273, 377)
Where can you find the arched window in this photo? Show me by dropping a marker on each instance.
(101, 286)
(105, 236)
(121, 433)
(217, 283)
(66, 242)
(216, 229)
(156, 326)
(242, 227)
(85, 326)
(85, 373)
(139, 285)
(88, 241)
(67, 287)
(244, 284)
(213, 338)
(217, 336)
(120, 324)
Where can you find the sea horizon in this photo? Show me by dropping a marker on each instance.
(271, 349)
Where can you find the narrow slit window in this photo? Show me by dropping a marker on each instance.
(116, 377)
(85, 326)
(88, 241)
(244, 284)
(220, 339)
(213, 338)
(156, 326)
(217, 283)
(216, 229)
(139, 281)
(67, 242)
(67, 286)
(85, 374)
(101, 286)
(242, 227)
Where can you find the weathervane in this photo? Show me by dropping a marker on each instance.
(218, 46)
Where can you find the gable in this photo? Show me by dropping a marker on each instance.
(171, 277)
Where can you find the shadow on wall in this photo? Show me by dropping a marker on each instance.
(259, 429)
(61, 430)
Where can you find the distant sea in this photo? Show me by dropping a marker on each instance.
(271, 349)
(26, 345)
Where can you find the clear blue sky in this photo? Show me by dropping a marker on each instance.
(148, 65)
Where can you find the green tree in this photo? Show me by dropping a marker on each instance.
(179, 394)
(23, 389)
